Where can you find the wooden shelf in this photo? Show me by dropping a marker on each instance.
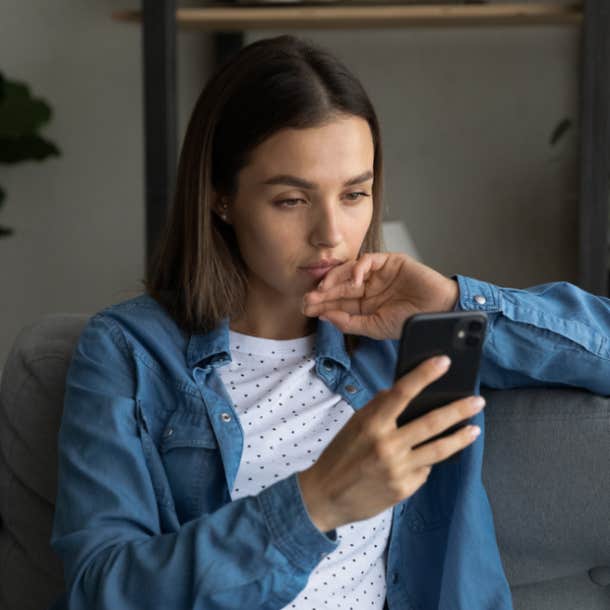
(228, 18)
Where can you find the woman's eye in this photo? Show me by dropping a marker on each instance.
(357, 195)
(351, 196)
(283, 201)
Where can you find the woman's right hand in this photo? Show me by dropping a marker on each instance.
(371, 465)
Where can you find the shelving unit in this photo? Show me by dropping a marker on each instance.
(160, 18)
(377, 15)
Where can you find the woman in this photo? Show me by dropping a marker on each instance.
(224, 446)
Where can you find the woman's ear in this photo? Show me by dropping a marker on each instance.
(221, 207)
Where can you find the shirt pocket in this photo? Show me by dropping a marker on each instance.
(193, 464)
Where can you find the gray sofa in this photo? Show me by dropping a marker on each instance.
(546, 469)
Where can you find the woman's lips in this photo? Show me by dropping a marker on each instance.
(317, 272)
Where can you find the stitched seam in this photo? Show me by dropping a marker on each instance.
(187, 389)
(285, 549)
(563, 323)
(496, 296)
(133, 353)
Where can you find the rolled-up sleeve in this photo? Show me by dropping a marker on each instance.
(553, 334)
(107, 528)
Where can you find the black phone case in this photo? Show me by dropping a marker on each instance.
(432, 334)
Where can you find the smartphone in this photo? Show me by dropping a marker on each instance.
(459, 335)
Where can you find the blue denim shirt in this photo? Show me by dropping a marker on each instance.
(150, 445)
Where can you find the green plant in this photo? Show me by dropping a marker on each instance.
(21, 115)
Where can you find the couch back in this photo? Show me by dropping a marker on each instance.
(546, 469)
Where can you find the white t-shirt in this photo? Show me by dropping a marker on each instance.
(289, 416)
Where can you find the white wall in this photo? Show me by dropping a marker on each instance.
(79, 218)
(466, 115)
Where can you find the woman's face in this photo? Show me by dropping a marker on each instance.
(306, 195)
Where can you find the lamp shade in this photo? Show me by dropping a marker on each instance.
(397, 239)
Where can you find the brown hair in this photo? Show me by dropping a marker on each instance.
(197, 272)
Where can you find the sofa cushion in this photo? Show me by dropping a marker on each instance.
(31, 404)
(547, 475)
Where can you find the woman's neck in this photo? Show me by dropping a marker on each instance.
(274, 329)
(271, 315)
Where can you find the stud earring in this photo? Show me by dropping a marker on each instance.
(223, 214)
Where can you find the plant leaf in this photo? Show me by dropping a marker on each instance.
(5, 231)
(20, 113)
(23, 148)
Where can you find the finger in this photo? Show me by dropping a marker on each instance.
(439, 450)
(369, 262)
(336, 275)
(341, 302)
(436, 421)
(408, 386)
(345, 281)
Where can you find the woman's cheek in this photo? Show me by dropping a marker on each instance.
(271, 245)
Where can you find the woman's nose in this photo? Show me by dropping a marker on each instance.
(326, 230)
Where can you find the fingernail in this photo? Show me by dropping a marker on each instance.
(321, 285)
(474, 431)
(478, 402)
(443, 362)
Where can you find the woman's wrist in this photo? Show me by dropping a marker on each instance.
(313, 502)
(452, 294)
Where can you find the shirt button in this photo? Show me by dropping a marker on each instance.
(351, 388)
(480, 299)
(402, 509)
(328, 365)
(226, 417)
(168, 432)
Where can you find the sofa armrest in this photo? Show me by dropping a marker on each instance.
(546, 470)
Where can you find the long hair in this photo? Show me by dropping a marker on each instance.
(197, 272)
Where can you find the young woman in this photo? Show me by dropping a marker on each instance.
(229, 437)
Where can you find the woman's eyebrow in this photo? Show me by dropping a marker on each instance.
(299, 182)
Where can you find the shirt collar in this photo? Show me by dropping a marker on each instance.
(213, 346)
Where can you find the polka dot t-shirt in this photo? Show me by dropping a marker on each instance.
(289, 416)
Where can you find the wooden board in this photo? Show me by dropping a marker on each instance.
(368, 17)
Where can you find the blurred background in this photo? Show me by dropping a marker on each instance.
(474, 174)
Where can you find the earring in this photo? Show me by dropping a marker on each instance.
(223, 214)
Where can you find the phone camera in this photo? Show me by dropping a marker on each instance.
(470, 340)
(475, 326)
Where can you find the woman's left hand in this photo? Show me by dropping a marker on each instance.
(388, 288)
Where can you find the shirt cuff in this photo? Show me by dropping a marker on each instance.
(476, 295)
(292, 529)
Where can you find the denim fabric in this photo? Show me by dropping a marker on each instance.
(150, 445)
